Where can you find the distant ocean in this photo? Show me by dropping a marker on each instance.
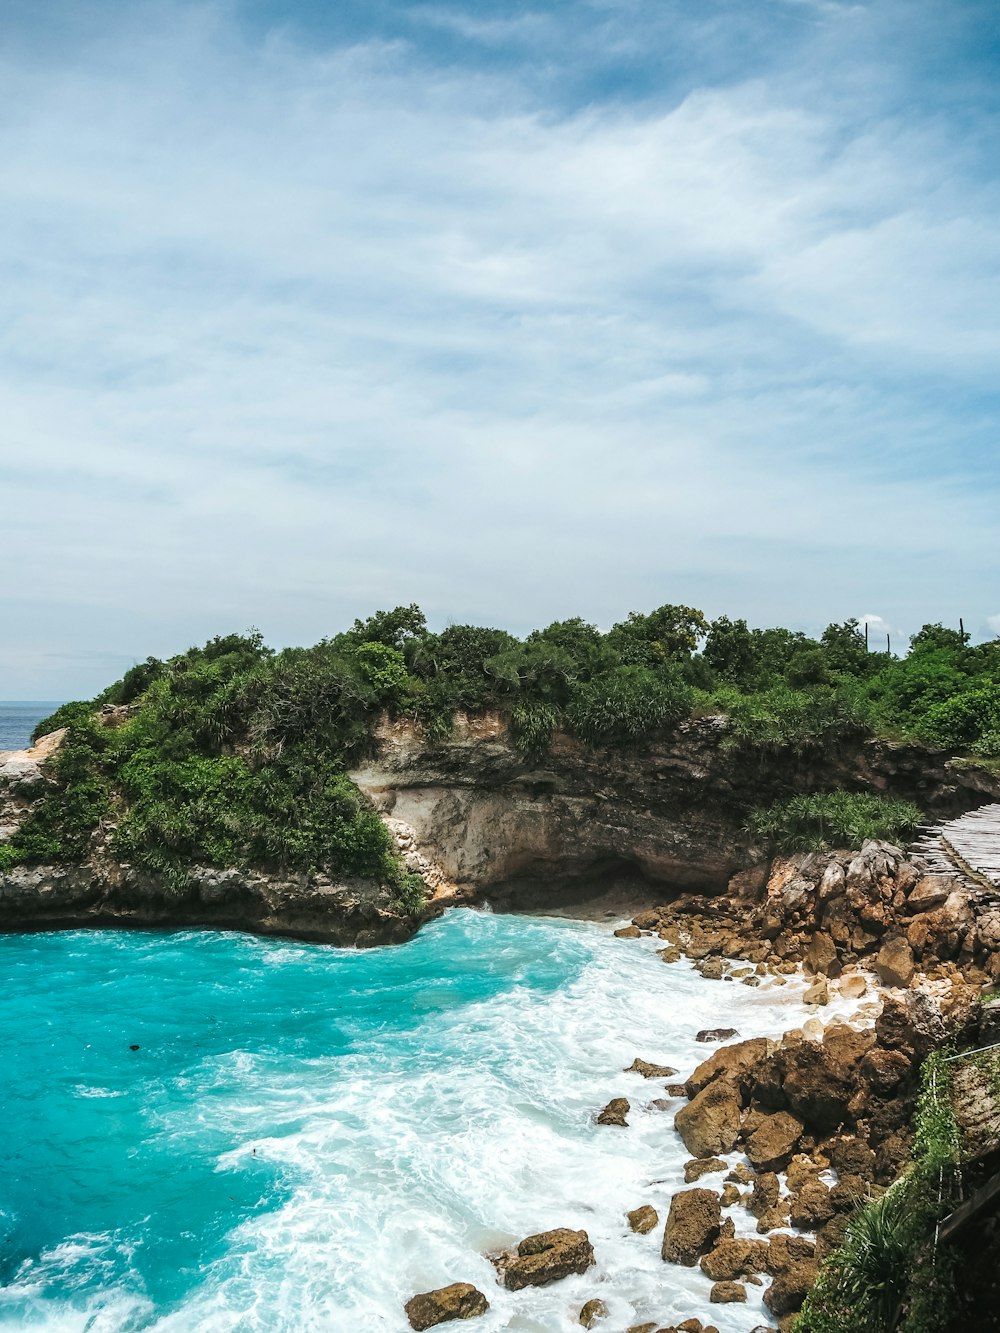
(18, 721)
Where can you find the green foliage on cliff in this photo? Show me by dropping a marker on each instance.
(235, 754)
(818, 821)
(889, 1272)
(232, 756)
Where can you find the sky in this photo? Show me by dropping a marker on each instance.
(517, 311)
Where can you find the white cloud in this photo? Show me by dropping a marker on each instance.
(287, 335)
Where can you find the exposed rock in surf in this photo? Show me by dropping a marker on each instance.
(727, 1293)
(702, 1166)
(648, 1070)
(592, 1312)
(615, 1113)
(693, 1226)
(461, 1300)
(546, 1257)
(643, 1219)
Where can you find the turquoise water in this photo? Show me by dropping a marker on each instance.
(306, 1136)
(18, 721)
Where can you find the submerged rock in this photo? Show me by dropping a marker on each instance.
(459, 1301)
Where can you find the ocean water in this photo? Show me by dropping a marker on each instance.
(306, 1136)
(18, 721)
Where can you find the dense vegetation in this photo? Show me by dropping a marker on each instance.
(234, 754)
(890, 1273)
(819, 821)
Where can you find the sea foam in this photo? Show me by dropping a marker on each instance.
(313, 1135)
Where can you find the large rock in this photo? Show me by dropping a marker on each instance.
(812, 1206)
(894, 963)
(911, 1023)
(790, 1288)
(710, 1124)
(592, 1312)
(885, 1070)
(727, 1293)
(929, 892)
(544, 1258)
(733, 1063)
(771, 1145)
(693, 1225)
(821, 956)
(459, 1301)
(734, 1257)
(784, 1252)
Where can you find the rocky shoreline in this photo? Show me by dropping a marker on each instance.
(787, 1136)
(790, 1133)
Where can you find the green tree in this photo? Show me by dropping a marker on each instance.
(845, 648)
(670, 633)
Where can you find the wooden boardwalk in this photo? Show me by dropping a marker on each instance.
(966, 849)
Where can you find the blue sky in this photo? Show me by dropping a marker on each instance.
(517, 311)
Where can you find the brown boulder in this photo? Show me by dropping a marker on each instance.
(544, 1258)
(928, 893)
(643, 1219)
(770, 1146)
(459, 1301)
(821, 956)
(734, 1063)
(615, 1112)
(628, 933)
(702, 1166)
(592, 1312)
(850, 1156)
(885, 1070)
(765, 1194)
(912, 1023)
(693, 1225)
(817, 993)
(723, 1034)
(648, 1070)
(710, 1124)
(811, 1206)
(894, 963)
(734, 1258)
(790, 1288)
(783, 1252)
(727, 1293)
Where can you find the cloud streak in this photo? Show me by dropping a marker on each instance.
(289, 332)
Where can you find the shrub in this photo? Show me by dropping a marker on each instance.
(784, 718)
(823, 820)
(627, 703)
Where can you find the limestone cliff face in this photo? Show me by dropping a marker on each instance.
(477, 819)
(530, 831)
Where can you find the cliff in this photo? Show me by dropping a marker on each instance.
(672, 810)
(475, 818)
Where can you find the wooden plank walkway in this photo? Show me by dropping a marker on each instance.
(965, 849)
